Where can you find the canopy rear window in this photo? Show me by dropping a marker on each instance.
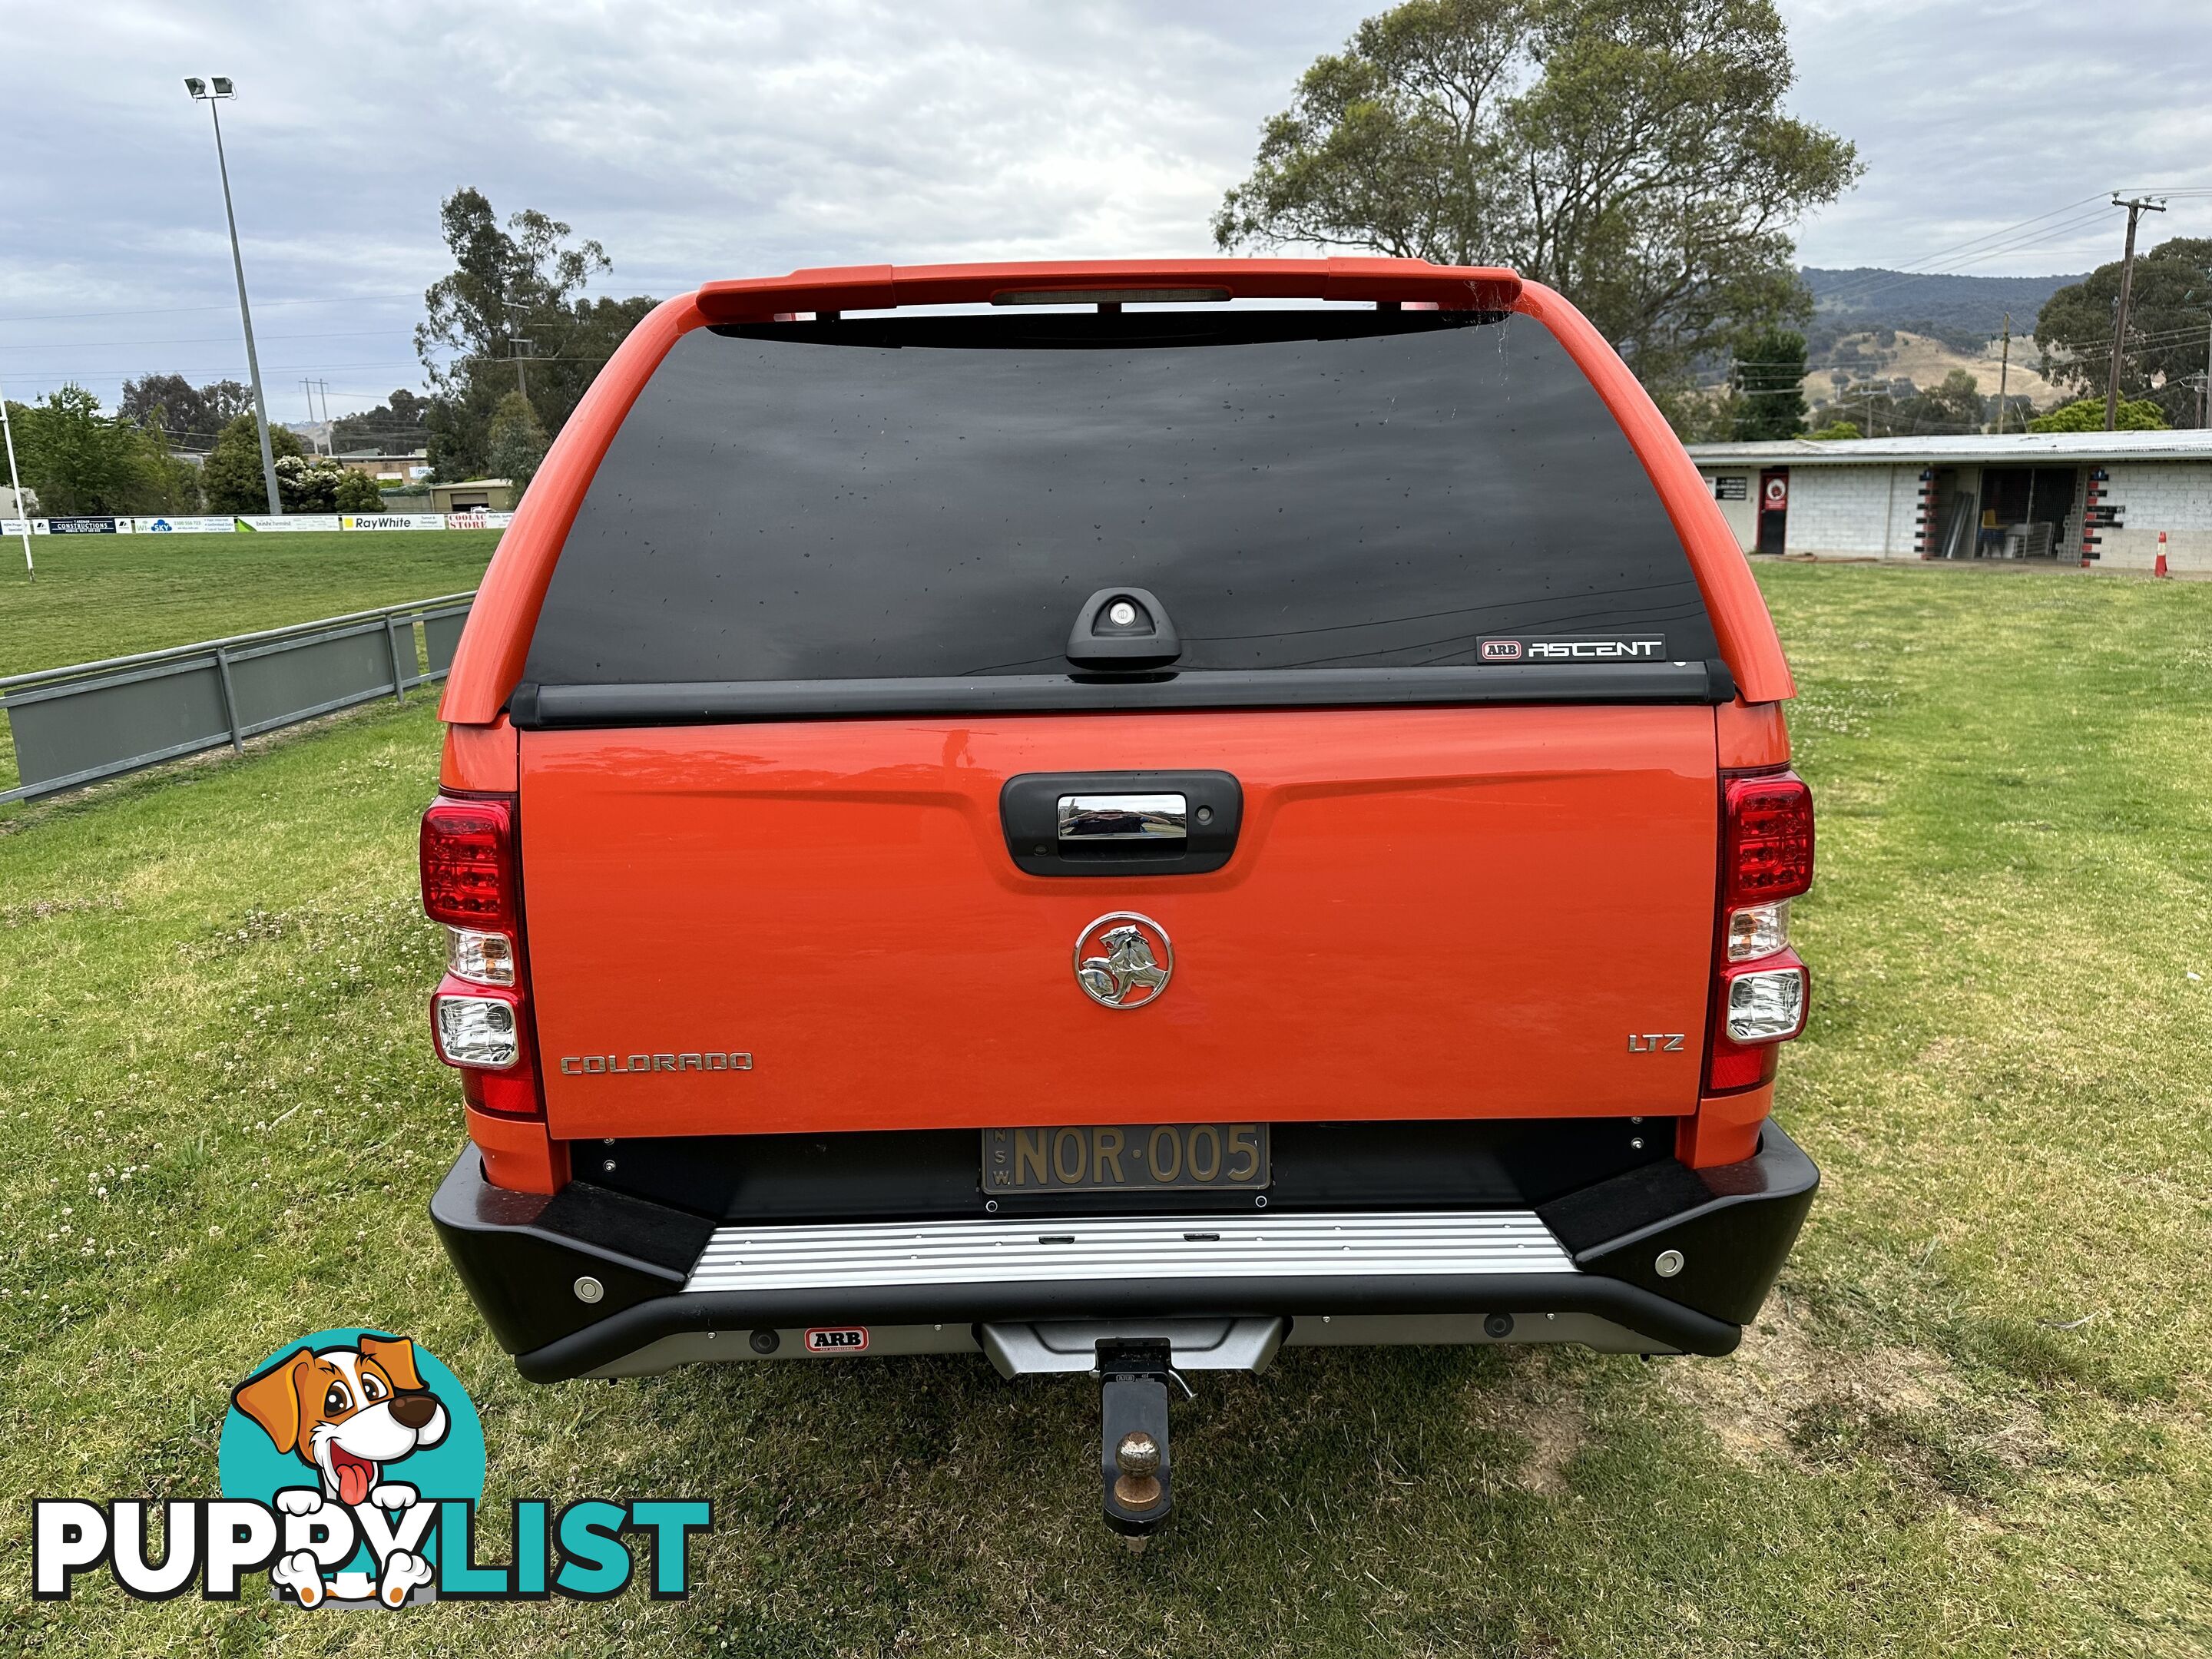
(932, 499)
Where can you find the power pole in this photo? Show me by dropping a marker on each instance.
(522, 350)
(2136, 206)
(2004, 371)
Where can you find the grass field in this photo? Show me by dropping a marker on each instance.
(113, 596)
(1972, 1421)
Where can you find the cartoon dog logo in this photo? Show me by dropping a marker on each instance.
(349, 1414)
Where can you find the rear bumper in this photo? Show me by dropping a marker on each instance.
(1672, 1259)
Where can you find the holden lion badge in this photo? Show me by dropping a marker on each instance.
(1123, 960)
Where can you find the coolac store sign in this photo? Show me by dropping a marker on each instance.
(351, 1464)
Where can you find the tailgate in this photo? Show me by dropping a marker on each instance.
(1429, 913)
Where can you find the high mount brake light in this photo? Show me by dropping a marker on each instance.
(1761, 988)
(480, 1017)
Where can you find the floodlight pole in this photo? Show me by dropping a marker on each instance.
(245, 315)
(15, 483)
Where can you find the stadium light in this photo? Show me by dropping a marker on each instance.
(210, 92)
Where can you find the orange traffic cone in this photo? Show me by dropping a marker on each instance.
(2160, 569)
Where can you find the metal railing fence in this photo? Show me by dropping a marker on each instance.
(78, 725)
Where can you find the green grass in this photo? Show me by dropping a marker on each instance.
(114, 596)
(1972, 1421)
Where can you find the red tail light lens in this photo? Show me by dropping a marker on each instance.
(468, 864)
(1766, 851)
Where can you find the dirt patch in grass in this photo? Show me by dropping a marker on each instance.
(1795, 1391)
(1538, 1406)
(1555, 1430)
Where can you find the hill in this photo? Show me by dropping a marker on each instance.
(1912, 361)
(1960, 311)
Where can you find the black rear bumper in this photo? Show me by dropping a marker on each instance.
(1679, 1256)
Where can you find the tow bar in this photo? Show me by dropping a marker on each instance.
(1136, 1363)
(1134, 1473)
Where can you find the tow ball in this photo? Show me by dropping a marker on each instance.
(1135, 1473)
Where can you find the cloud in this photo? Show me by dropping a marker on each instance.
(697, 140)
(693, 140)
(1972, 117)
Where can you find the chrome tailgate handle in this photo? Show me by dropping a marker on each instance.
(1148, 823)
(1124, 817)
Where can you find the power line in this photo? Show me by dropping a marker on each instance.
(1948, 256)
(1883, 270)
(2020, 245)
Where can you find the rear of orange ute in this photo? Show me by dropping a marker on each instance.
(1119, 831)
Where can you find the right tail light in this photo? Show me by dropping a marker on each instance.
(1762, 988)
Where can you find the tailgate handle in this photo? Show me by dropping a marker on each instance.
(1121, 823)
(1124, 817)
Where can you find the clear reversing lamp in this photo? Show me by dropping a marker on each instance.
(477, 1031)
(1767, 1006)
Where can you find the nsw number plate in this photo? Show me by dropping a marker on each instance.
(1104, 1158)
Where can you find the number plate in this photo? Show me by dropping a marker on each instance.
(1135, 1157)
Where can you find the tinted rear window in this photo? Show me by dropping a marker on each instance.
(924, 497)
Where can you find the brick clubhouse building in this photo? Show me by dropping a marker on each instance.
(2053, 496)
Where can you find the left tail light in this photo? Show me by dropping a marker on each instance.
(1762, 988)
(480, 1013)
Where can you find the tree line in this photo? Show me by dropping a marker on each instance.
(75, 457)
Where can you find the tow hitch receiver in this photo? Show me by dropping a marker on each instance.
(1132, 1401)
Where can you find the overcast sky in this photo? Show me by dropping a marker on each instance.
(702, 140)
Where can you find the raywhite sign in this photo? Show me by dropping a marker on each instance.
(394, 520)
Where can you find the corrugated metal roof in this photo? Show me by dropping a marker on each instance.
(1973, 449)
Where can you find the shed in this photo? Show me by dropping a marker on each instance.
(2065, 497)
(473, 495)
